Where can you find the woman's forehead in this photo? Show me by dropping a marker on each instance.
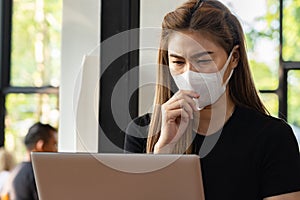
(188, 42)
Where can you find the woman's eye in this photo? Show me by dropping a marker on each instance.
(178, 62)
(203, 61)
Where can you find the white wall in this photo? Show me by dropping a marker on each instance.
(78, 129)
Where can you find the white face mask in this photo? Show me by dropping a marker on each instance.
(209, 86)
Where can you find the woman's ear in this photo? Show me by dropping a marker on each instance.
(235, 56)
(39, 146)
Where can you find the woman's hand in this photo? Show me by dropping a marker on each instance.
(176, 113)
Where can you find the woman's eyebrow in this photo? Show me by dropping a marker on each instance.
(197, 55)
(175, 56)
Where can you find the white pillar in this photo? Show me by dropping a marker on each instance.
(78, 127)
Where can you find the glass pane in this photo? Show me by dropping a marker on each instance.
(265, 77)
(291, 30)
(23, 110)
(271, 103)
(294, 98)
(36, 42)
(260, 21)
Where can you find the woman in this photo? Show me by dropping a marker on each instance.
(216, 113)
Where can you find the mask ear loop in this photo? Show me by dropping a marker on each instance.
(222, 71)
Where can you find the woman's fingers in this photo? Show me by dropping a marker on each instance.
(172, 115)
(182, 105)
(183, 93)
(176, 113)
(187, 95)
(174, 125)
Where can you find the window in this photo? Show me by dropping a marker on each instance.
(273, 38)
(30, 88)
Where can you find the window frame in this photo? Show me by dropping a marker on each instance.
(284, 68)
(5, 49)
(6, 13)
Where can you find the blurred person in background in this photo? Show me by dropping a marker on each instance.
(21, 183)
(7, 163)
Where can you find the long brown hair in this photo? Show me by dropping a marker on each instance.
(215, 19)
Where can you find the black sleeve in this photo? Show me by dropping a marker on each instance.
(24, 186)
(281, 161)
(136, 135)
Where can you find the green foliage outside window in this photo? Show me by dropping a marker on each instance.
(36, 42)
(35, 61)
(291, 31)
(266, 74)
(294, 97)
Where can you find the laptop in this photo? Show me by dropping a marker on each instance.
(88, 176)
